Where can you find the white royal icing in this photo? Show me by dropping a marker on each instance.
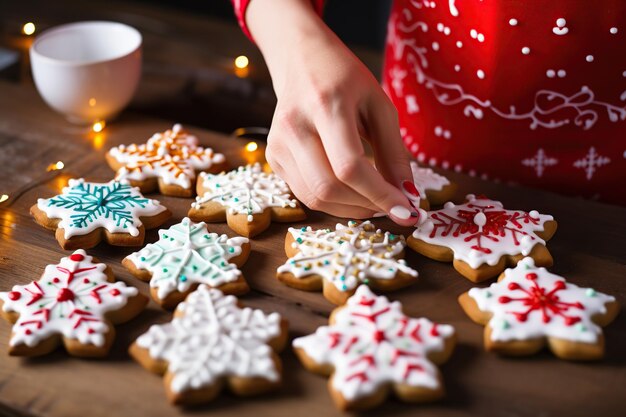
(172, 156)
(70, 300)
(481, 231)
(188, 254)
(426, 179)
(347, 256)
(245, 190)
(372, 343)
(211, 337)
(86, 206)
(531, 303)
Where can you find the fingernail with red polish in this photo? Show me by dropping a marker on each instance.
(410, 190)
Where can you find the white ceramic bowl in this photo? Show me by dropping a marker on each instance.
(87, 70)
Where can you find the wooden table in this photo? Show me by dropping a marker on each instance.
(588, 248)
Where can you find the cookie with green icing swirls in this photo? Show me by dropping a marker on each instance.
(86, 213)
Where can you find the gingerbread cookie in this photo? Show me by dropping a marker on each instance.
(168, 162)
(336, 262)
(529, 307)
(247, 198)
(481, 238)
(437, 188)
(87, 212)
(187, 255)
(371, 348)
(213, 342)
(75, 302)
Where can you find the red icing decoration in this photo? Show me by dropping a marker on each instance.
(77, 257)
(498, 223)
(14, 296)
(65, 294)
(86, 280)
(538, 298)
(56, 280)
(379, 336)
(114, 292)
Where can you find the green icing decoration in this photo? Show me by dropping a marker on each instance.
(189, 255)
(112, 201)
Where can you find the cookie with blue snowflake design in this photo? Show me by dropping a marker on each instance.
(86, 213)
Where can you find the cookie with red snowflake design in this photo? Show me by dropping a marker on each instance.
(481, 238)
(74, 303)
(168, 162)
(529, 308)
(371, 349)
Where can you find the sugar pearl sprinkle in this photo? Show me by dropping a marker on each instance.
(480, 74)
(526, 50)
(613, 30)
(589, 58)
(513, 22)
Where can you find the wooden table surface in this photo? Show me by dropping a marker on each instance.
(588, 249)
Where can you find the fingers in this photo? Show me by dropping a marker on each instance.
(341, 140)
(383, 134)
(305, 194)
(313, 165)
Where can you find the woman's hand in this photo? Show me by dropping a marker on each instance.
(327, 101)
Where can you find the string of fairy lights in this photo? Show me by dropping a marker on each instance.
(241, 66)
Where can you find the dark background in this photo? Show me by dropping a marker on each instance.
(357, 22)
(188, 52)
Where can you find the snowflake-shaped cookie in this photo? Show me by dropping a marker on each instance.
(70, 301)
(170, 159)
(84, 207)
(209, 340)
(371, 345)
(529, 305)
(247, 198)
(437, 188)
(186, 255)
(481, 237)
(342, 259)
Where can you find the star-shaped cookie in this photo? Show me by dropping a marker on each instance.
(529, 308)
(371, 348)
(211, 342)
(481, 237)
(74, 303)
(86, 213)
(168, 162)
(248, 198)
(337, 261)
(187, 255)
